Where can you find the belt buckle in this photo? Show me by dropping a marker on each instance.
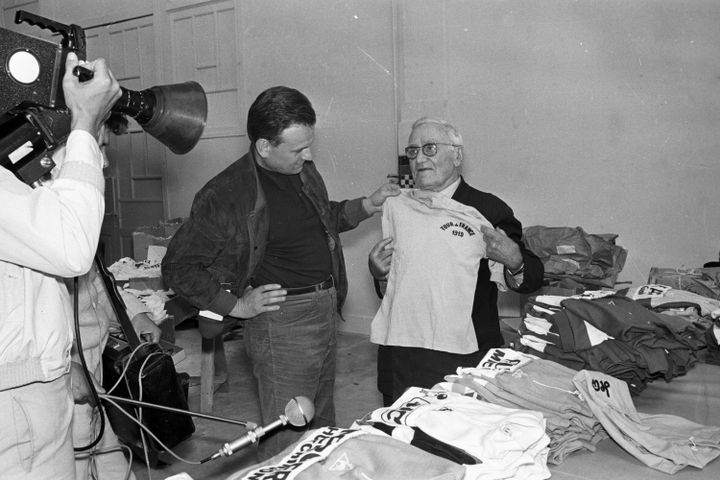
(318, 287)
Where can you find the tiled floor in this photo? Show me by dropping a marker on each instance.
(355, 395)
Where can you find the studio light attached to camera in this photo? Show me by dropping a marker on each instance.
(34, 119)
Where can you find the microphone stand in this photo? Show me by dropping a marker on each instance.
(299, 407)
(298, 413)
(248, 425)
(248, 439)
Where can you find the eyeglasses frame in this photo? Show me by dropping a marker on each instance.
(421, 148)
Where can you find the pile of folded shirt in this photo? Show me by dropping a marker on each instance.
(606, 332)
(667, 443)
(491, 441)
(691, 313)
(517, 380)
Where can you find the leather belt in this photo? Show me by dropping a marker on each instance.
(312, 288)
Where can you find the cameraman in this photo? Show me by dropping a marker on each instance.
(45, 234)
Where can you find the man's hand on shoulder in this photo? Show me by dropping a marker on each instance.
(81, 391)
(374, 202)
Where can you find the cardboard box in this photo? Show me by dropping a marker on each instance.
(160, 235)
(701, 281)
(164, 229)
(146, 283)
(141, 242)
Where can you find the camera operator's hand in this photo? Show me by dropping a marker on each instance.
(81, 391)
(89, 102)
(145, 328)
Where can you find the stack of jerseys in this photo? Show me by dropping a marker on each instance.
(703, 281)
(691, 307)
(517, 380)
(667, 443)
(491, 441)
(712, 339)
(695, 316)
(609, 333)
(571, 255)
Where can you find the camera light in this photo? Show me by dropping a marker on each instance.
(24, 67)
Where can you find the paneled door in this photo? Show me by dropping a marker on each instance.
(135, 194)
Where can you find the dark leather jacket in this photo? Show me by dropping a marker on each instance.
(214, 254)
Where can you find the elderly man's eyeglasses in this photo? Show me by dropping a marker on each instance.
(429, 149)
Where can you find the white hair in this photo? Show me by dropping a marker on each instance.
(447, 127)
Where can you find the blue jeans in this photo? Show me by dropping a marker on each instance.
(293, 352)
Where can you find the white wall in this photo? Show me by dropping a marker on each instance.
(340, 54)
(600, 113)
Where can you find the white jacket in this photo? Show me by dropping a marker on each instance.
(46, 233)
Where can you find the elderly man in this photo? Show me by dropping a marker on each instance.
(453, 246)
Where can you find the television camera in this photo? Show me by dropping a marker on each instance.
(34, 119)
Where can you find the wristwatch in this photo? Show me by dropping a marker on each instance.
(520, 270)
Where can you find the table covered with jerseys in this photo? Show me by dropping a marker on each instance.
(540, 411)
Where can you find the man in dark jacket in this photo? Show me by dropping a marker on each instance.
(262, 243)
(435, 153)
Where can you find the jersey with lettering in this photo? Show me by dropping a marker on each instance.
(505, 442)
(437, 249)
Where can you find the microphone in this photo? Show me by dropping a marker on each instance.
(298, 412)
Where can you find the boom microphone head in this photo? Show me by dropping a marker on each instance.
(299, 411)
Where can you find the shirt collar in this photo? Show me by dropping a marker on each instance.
(450, 190)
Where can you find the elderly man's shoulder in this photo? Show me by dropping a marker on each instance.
(472, 196)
